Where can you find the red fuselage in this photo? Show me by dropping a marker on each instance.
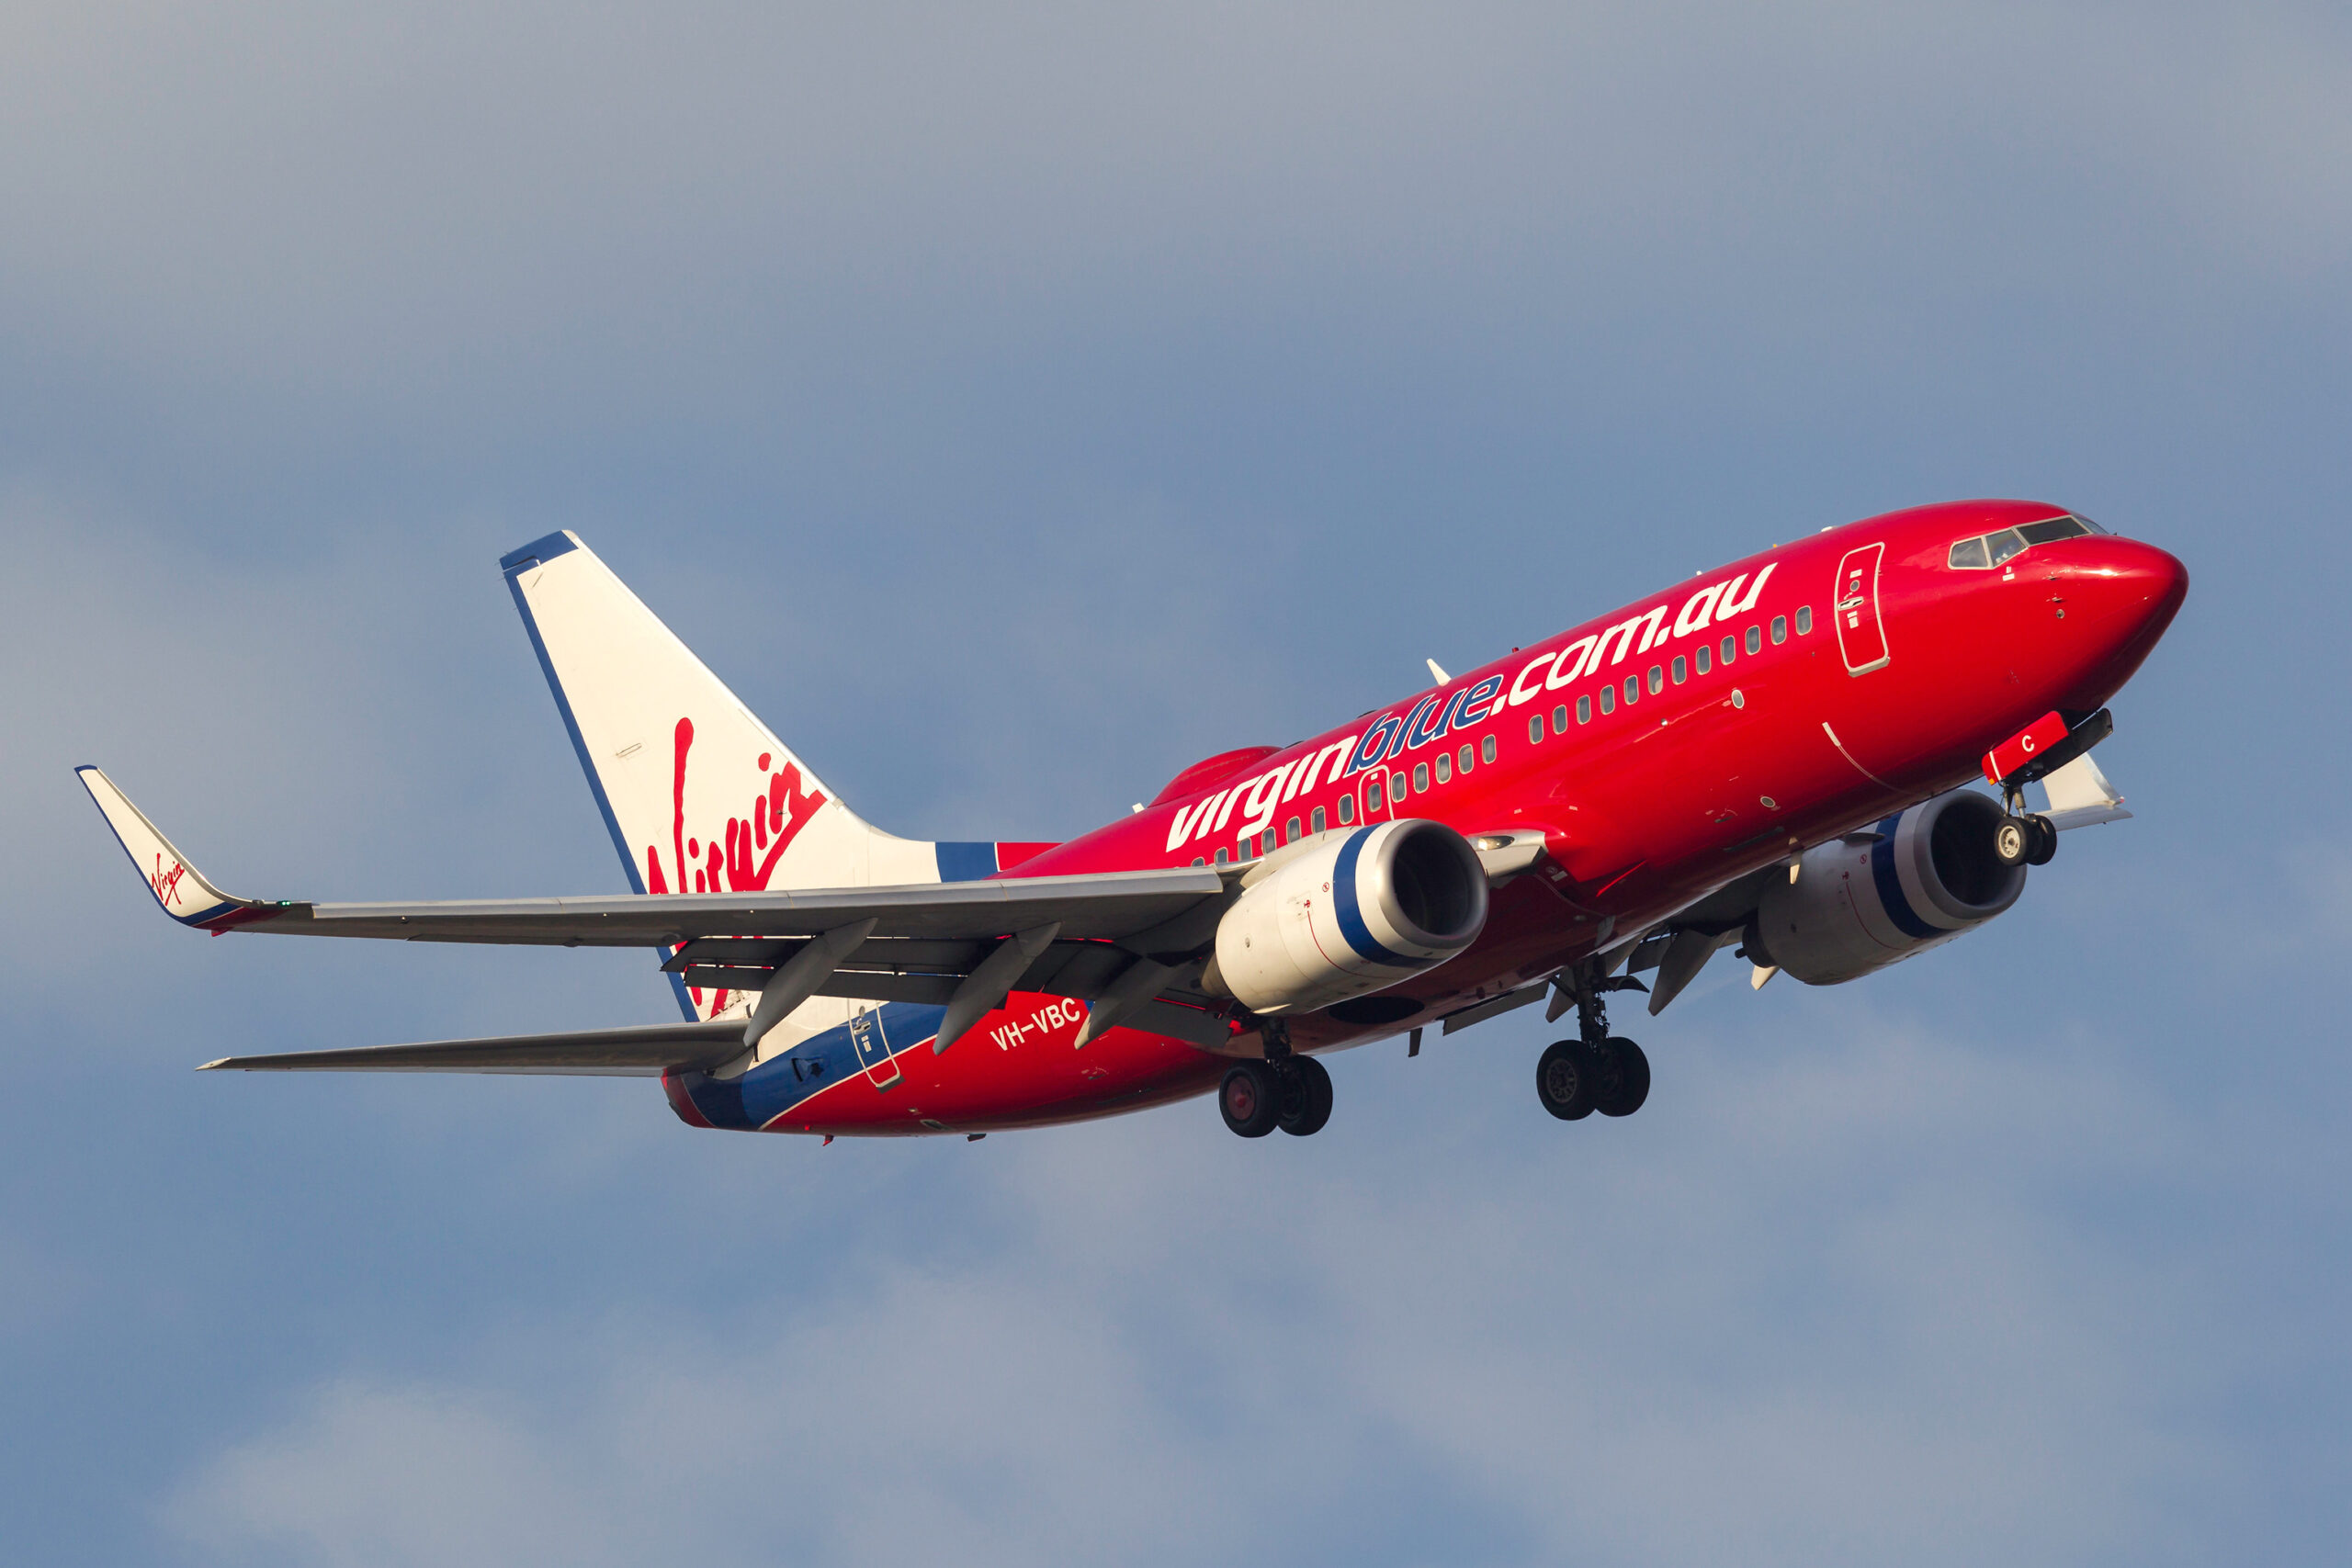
(1663, 749)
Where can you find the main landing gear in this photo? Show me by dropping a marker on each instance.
(1596, 1071)
(1285, 1091)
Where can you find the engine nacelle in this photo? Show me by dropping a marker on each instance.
(1357, 912)
(1857, 906)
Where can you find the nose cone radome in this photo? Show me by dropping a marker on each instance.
(2125, 593)
(2138, 583)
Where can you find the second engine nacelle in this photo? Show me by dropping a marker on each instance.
(1855, 907)
(1355, 913)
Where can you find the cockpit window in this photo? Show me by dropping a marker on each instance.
(1989, 550)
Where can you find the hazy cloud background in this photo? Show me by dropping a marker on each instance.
(1015, 404)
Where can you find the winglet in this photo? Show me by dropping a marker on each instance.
(178, 887)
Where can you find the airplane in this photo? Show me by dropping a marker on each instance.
(1778, 757)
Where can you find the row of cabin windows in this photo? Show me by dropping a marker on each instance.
(1699, 663)
(1379, 790)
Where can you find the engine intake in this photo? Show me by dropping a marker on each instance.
(1930, 874)
(1349, 914)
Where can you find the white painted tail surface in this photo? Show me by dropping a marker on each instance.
(699, 794)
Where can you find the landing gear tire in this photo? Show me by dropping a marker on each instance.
(1623, 1079)
(2014, 842)
(1250, 1099)
(1566, 1078)
(2045, 840)
(1308, 1106)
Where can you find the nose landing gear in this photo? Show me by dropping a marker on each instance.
(1596, 1071)
(2022, 838)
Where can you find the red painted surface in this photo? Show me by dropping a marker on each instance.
(1675, 792)
(679, 1103)
(2022, 748)
(1209, 771)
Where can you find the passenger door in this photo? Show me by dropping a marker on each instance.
(1861, 637)
(872, 1047)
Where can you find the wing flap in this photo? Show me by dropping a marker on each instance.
(1106, 905)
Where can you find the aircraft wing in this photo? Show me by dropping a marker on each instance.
(1105, 907)
(645, 1051)
(1117, 940)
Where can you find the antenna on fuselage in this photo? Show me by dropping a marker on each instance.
(1442, 676)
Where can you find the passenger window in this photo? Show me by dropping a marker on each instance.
(1487, 750)
(1731, 645)
(1682, 670)
(1968, 556)
(1222, 858)
(1756, 640)
(1705, 663)
(1658, 680)
(1584, 710)
(1805, 621)
(1196, 860)
(1421, 777)
(1375, 794)
(1444, 768)
(1633, 688)
(1290, 831)
(1461, 758)
(1315, 824)
(1560, 719)
(1780, 628)
(2004, 544)
(1534, 728)
(1607, 699)
(1396, 788)
(1347, 809)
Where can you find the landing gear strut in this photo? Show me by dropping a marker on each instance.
(1285, 1091)
(1595, 1071)
(2023, 837)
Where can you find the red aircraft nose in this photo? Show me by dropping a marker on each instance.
(2128, 578)
(2125, 593)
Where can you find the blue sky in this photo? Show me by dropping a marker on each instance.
(1016, 404)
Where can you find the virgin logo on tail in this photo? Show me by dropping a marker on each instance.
(166, 884)
(746, 857)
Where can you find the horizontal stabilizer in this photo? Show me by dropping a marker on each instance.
(641, 1051)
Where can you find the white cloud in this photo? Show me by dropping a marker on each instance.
(1729, 1328)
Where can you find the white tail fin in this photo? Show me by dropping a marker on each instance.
(699, 796)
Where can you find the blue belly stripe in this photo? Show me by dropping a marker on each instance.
(773, 1088)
